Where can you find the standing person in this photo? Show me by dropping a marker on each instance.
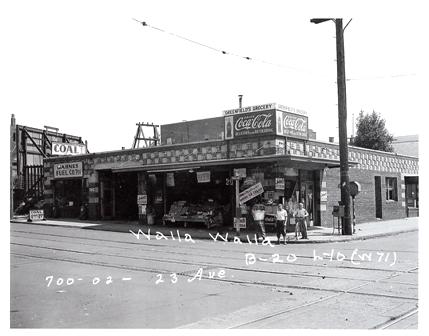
(258, 213)
(300, 218)
(281, 223)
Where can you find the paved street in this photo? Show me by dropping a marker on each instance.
(79, 278)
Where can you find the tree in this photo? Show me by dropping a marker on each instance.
(372, 133)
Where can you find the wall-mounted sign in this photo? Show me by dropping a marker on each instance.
(62, 148)
(248, 124)
(203, 176)
(291, 172)
(264, 107)
(240, 222)
(251, 192)
(36, 215)
(291, 125)
(170, 179)
(240, 172)
(142, 199)
(142, 209)
(247, 109)
(323, 196)
(271, 121)
(67, 170)
(280, 183)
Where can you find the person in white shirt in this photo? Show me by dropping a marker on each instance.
(300, 218)
(258, 213)
(281, 223)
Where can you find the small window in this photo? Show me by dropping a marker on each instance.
(391, 189)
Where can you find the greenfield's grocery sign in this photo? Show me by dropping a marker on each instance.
(266, 119)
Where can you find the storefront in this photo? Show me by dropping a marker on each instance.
(69, 189)
(264, 148)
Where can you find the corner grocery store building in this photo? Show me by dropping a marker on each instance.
(268, 144)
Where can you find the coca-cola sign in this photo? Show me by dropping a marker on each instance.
(291, 125)
(247, 124)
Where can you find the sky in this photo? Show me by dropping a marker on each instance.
(89, 69)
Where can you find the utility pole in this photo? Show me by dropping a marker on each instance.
(342, 123)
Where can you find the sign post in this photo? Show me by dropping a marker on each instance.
(355, 189)
(237, 203)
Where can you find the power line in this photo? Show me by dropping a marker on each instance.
(224, 52)
(248, 58)
(382, 77)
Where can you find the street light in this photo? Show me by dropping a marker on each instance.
(342, 123)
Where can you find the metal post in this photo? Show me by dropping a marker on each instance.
(354, 215)
(342, 123)
(237, 203)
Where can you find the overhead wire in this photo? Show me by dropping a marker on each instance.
(248, 58)
(224, 52)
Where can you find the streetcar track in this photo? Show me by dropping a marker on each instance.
(146, 246)
(209, 264)
(397, 319)
(228, 257)
(259, 283)
(153, 235)
(348, 291)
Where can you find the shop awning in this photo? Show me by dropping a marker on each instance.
(292, 160)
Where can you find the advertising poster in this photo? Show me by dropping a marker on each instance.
(170, 180)
(250, 124)
(203, 177)
(291, 125)
(280, 183)
(251, 192)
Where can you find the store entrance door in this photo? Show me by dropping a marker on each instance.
(412, 195)
(378, 205)
(126, 196)
(106, 198)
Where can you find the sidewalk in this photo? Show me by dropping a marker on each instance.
(315, 234)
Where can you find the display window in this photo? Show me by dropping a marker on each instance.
(69, 197)
(196, 197)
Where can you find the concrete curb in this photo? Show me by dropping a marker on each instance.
(125, 229)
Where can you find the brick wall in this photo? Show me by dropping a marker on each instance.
(193, 131)
(365, 201)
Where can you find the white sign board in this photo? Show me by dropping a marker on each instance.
(141, 199)
(36, 215)
(280, 183)
(142, 209)
(240, 222)
(70, 169)
(170, 180)
(203, 177)
(63, 148)
(251, 192)
(240, 172)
